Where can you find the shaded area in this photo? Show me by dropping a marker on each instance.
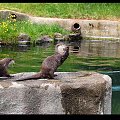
(115, 75)
(116, 102)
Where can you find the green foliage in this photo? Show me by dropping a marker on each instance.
(10, 29)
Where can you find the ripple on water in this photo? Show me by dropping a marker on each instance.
(116, 88)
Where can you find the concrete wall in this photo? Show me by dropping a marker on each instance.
(104, 29)
(68, 93)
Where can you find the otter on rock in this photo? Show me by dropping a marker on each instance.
(51, 63)
(4, 63)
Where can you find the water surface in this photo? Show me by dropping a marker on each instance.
(90, 55)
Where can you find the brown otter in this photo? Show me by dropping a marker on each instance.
(4, 63)
(51, 63)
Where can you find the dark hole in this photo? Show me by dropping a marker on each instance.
(76, 25)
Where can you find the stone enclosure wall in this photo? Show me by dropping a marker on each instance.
(68, 93)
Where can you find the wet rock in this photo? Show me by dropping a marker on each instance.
(24, 39)
(67, 93)
(75, 37)
(58, 38)
(74, 48)
(58, 35)
(44, 39)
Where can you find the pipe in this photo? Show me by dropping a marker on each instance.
(76, 28)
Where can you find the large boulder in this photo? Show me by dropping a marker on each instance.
(67, 93)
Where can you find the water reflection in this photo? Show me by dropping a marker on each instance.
(44, 45)
(116, 88)
(74, 47)
(101, 48)
(23, 48)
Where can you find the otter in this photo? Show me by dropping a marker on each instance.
(4, 63)
(51, 63)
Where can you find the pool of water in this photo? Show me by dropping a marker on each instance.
(90, 55)
(115, 75)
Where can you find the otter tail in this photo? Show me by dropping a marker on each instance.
(35, 76)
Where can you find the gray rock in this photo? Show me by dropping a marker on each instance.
(58, 35)
(44, 39)
(67, 93)
(74, 37)
(4, 14)
(58, 38)
(24, 39)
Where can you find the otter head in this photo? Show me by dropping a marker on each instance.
(11, 61)
(7, 61)
(61, 48)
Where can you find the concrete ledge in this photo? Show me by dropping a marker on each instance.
(68, 93)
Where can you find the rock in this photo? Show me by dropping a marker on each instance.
(44, 39)
(74, 48)
(58, 35)
(74, 42)
(58, 38)
(4, 14)
(67, 93)
(75, 37)
(24, 39)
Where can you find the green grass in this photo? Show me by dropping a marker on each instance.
(10, 30)
(67, 10)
